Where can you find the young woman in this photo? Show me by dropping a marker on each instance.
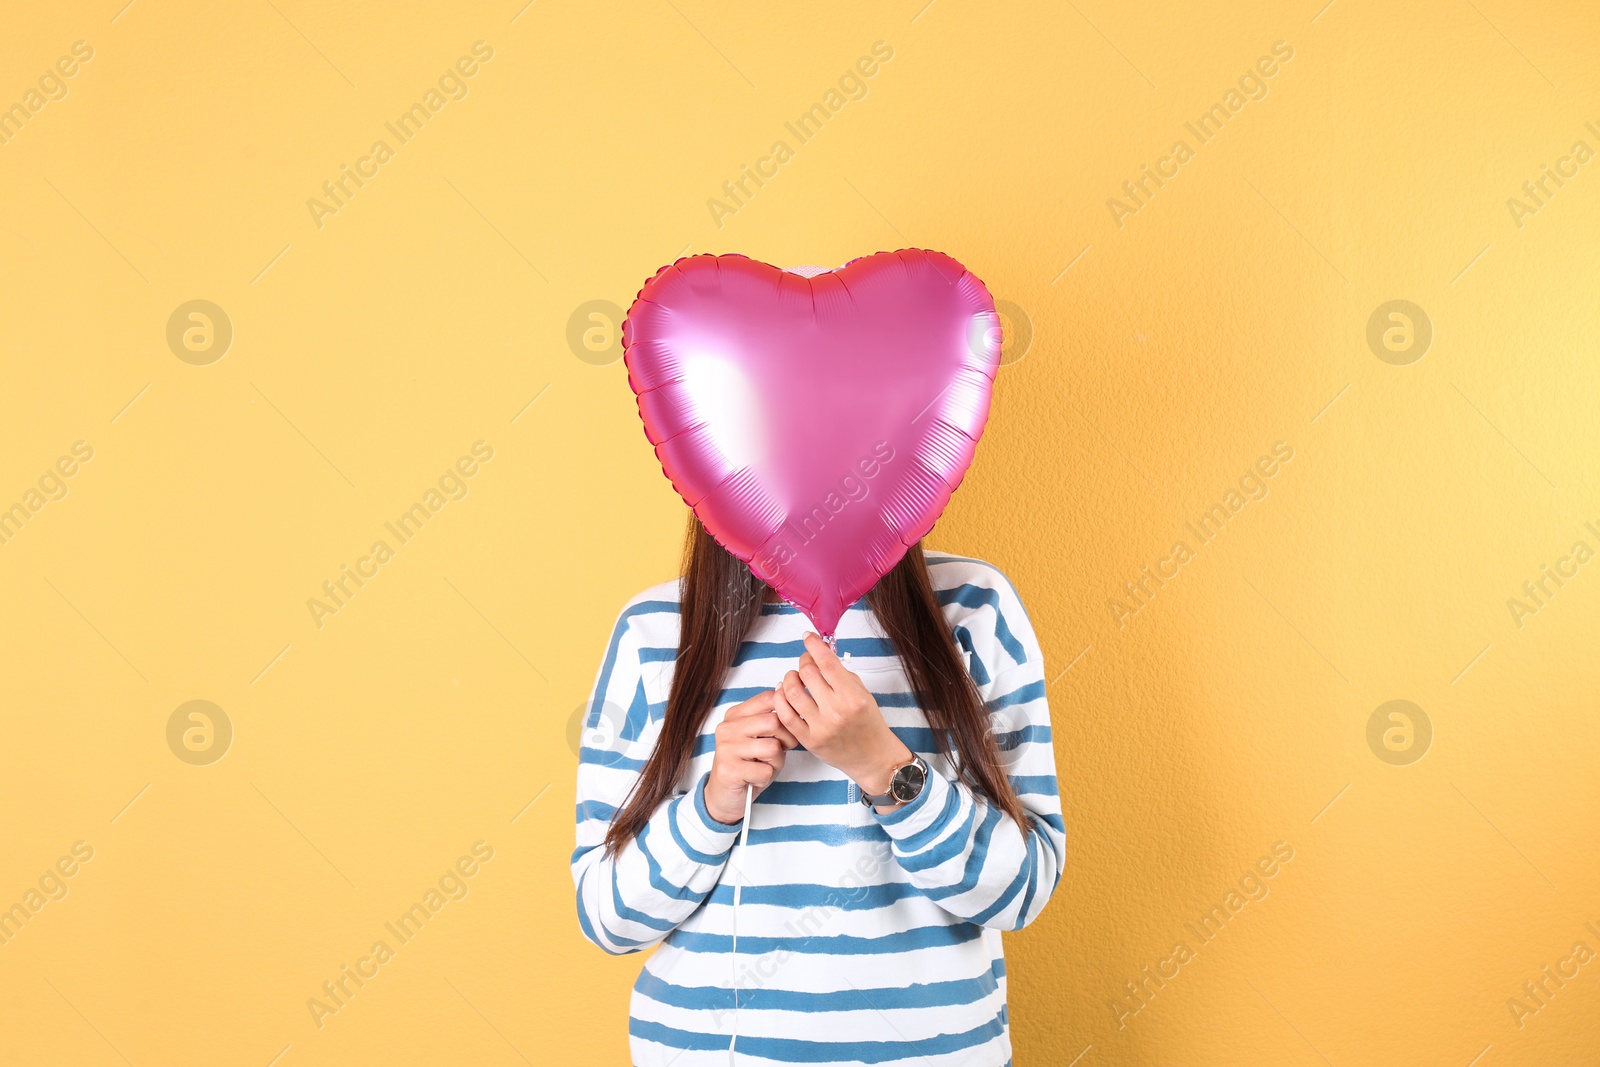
(868, 930)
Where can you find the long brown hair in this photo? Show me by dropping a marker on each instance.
(721, 599)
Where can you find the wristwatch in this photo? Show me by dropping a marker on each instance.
(905, 785)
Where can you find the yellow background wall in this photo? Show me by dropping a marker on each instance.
(431, 712)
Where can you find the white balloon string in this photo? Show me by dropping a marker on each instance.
(738, 870)
(744, 838)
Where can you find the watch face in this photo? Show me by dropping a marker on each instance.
(907, 782)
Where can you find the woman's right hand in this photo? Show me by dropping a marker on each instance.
(751, 742)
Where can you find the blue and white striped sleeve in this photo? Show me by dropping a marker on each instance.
(955, 846)
(633, 899)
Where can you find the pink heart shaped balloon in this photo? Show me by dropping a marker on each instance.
(817, 426)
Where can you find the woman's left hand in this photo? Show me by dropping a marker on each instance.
(828, 708)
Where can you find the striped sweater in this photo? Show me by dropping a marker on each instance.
(862, 938)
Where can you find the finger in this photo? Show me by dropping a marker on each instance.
(760, 773)
(758, 749)
(794, 691)
(815, 683)
(776, 762)
(811, 670)
(752, 772)
(812, 673)
(783, 733)
(797, 726)
(767, 724)
(762, 701)
(836, 673)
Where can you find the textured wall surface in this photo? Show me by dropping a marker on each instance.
(1407, 500)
